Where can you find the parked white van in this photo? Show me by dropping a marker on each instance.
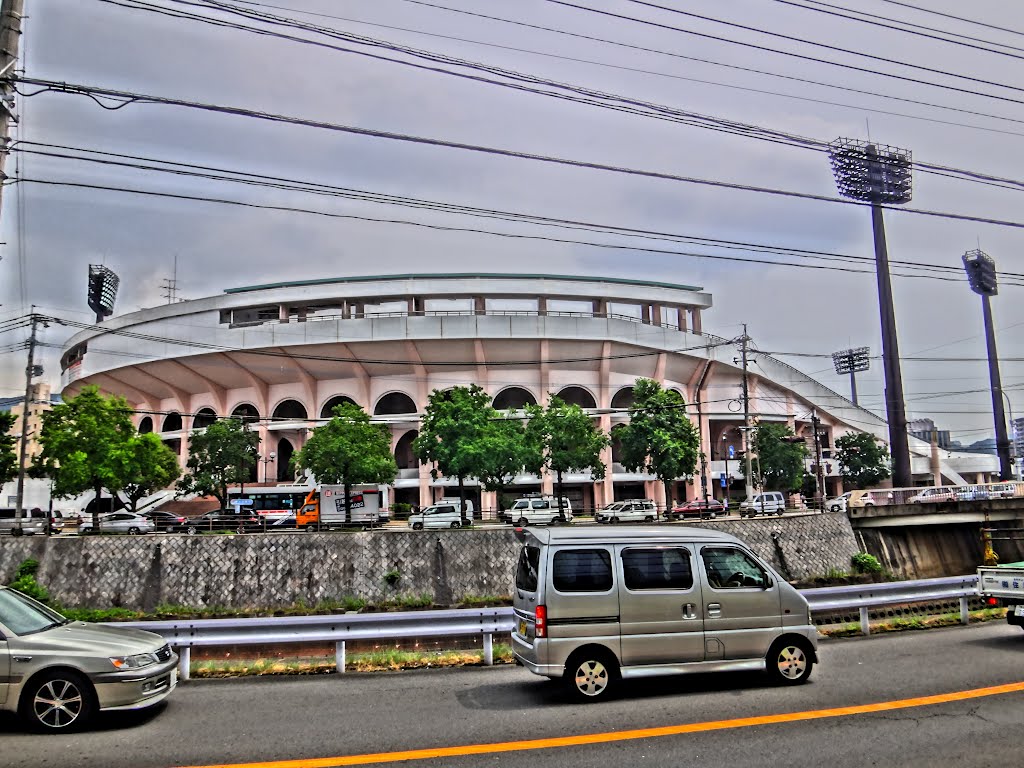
(767, 503)
(440, 515)
(539, 510)
(594, 606)
(33, 521)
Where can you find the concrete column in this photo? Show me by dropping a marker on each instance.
(410, 306)
(645, 313)
(600, 306)
(426, 499)
(489, 502)
(418, 305)
(656, 491)
(480, 305)
(656, 314)
(542, 305)
(681, 319)
(695, 320)
(547, 483)
(282, 313)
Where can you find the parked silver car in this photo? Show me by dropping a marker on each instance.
(119, 522)
(57, 673)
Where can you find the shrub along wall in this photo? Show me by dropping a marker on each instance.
(272, 570)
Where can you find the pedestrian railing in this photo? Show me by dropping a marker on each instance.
(184, 635)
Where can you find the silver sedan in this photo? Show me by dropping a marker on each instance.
(119, 522)
(62, 672)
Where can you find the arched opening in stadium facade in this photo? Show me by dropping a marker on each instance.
(172, 422)
(290, 410)
(623, 398)
(513, 399)
(246, 412)
(204, 418)
(404, 456)
(285, 451)
(394, 404)
(145, 425)
(577, 396)
(327, 411)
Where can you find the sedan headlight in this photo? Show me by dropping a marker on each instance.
(137, 661)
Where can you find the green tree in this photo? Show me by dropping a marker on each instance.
(455, 423)
(659, 438)
(503, 453)
(780, 458)
(87, 445)
(8, 454)
(222, 454)
(563, 438)
(348, 450)
(152, 466)
(863, 460)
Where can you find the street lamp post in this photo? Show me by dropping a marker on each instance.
(881, 175)
(852, 361)
(267, 460)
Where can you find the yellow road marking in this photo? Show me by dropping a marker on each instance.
(611, 736)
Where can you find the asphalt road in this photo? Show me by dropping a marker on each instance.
(267, 719)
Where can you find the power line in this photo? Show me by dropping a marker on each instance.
(804, 57)
(955, 18)
(125, 98)
(229, 175)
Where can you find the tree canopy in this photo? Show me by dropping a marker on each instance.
(659, 438)
(563, 438)
(863, 460)
(87, 444)
(8, 454)
(222, 454)
(503, 453)
(348, 450)
(452, 436)
(780, 458)
(152, 466)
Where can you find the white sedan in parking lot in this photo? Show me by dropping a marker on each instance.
(119, 522)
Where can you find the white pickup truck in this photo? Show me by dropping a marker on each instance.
(1003, 585)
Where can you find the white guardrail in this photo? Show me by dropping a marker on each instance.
(184, 635)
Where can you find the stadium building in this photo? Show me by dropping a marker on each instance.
(282, 355)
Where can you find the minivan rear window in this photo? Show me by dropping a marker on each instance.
(582, 570)
(526, 571)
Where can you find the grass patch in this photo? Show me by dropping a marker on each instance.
(915, 623)
(386, 660)
(484, 601)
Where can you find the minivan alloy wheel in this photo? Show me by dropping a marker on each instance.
(591, 678)
(790, 663)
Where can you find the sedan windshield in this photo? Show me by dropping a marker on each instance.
(24, 616)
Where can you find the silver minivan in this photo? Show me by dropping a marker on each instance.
(595, 606)
(33, 521)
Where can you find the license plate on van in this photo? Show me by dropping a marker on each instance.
(522, 626)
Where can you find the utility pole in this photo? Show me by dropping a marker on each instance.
(30, 371)
(747, 478)
(819, 468)
(11, 14)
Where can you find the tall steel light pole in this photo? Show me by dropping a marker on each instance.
(881, 175)
(852, 361)
(981, 273)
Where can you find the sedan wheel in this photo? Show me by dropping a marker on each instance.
(417, 526)
(191, 530)
(57, 701)
(456, 525)
(133, 531)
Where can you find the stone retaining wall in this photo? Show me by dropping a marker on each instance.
(270, 570)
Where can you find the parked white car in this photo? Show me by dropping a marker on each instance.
(119, 522)
(631, 510)
(437, 516)
(540, 510)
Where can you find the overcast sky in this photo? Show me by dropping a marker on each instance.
(789, 311)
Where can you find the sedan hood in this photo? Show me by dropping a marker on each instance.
(95, 639)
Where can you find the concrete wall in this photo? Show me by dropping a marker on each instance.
(282, 569)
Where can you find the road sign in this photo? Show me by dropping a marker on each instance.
(732, 452)
(241, 502)
(725, 482)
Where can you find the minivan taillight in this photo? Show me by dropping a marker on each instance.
(541, 622)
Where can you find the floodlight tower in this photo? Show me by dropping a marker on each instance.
(852, 361)
(103, 283)
(881, 175)
(981, 273)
